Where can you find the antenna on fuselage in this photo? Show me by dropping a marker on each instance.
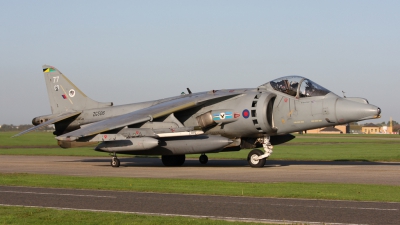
(189, 92)
(344, 96)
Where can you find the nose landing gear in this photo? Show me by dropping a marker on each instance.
(256, 157)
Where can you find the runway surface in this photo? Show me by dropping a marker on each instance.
(231, 170)
(216, 207)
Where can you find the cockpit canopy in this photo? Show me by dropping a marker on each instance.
(298, 86)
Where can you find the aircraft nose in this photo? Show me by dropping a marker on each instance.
(351, 111)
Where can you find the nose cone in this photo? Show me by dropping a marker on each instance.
(351, 111)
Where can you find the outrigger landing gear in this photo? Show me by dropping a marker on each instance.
(115, 161)
(256, 157)
(203, 158)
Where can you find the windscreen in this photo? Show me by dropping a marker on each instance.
(309, 88)
(287, 85)
(298, 86)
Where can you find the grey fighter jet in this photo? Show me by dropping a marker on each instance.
(197, 123)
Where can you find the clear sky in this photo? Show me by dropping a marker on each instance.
(130, 51)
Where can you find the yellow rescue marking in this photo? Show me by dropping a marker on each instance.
(283, 121)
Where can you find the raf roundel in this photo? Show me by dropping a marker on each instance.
(71, 93)
(246, 113)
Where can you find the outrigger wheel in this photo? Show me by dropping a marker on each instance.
(253, 158)
(115, 161)
(203, 159)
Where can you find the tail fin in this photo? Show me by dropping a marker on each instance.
(64, 96)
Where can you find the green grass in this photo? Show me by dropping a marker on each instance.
(32, 215)
(325, 152)
(389, 136)
(304, 147)
(339, 151)
(318, 147)
(30, 139)
(358, 192)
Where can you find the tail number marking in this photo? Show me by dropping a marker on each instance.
(99, 113)
(55, 79)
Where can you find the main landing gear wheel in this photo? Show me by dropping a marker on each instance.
(253, 160)
(203, 159)
(173, 160)
(115, 162)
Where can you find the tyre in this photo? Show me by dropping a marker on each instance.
(252, 158)
(180, 160)
(173, 160)
(166, 160)
(115, 162)
(203, 159)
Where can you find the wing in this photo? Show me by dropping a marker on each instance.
(58, 118)
(146, 114)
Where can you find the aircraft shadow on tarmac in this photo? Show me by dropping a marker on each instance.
(156, 162)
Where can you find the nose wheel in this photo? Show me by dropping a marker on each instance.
(254, 158)
(115, 161)
(203, 159)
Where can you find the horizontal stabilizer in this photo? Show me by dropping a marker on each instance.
(51, 121)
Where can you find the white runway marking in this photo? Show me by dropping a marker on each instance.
(308, 206)
(42, 193)
(330, 207)
(192, 216)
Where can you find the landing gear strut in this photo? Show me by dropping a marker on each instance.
(256, 157)
(173, 160)
(203, 159)
(115, 161)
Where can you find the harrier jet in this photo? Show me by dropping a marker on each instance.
(197, 123)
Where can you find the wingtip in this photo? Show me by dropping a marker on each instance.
(19, 134)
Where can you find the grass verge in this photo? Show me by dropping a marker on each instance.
(322, 147)
(32, 215)
(333, 152)
(358, 192)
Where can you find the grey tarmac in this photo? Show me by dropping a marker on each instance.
(272, 210)
(230, 170)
